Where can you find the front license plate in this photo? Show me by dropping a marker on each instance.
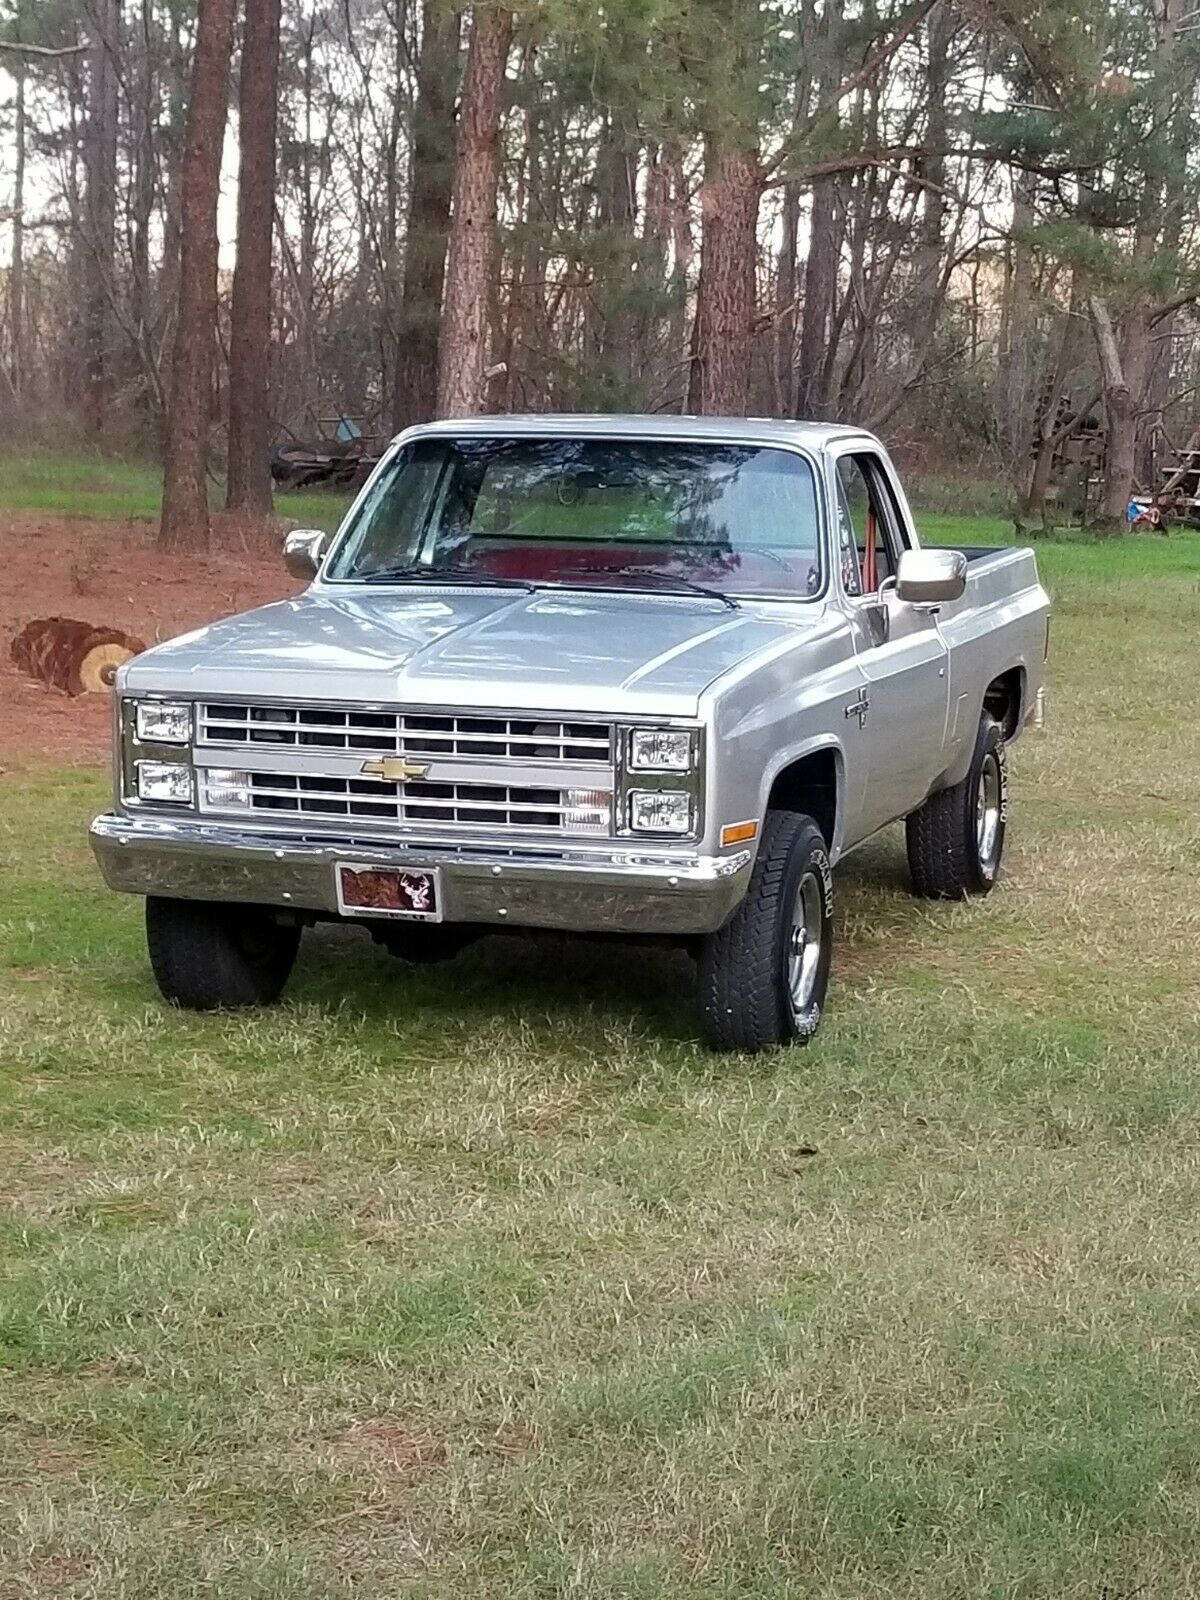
(388, 892)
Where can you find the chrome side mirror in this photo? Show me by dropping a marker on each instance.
(931, 577)
(302, 551)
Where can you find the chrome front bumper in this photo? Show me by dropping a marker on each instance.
(620, 892)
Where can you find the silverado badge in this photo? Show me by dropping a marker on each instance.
(395, 769)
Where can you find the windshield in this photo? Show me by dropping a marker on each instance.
(613, 513)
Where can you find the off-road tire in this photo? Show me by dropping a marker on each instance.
(943, 835)
(209, 955)
(745, 998)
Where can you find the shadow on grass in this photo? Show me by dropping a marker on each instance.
(535, 977)
(558, 978)
(880, 867)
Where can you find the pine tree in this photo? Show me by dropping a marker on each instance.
(464, 328)
(249, 481)
(184, 523)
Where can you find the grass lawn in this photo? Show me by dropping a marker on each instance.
(486, 1280)
(95, 486)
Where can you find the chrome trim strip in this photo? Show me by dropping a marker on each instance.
(287, 761)
(325, 727)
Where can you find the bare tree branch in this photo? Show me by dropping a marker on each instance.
(876, 59)
(42, 50)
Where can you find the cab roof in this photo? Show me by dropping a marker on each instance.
(811, 436)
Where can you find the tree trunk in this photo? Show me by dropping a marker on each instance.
(305, 309)
(814, 363)
(431, 176)
(142, 116)
(1120, 440)
(820, 286)
(609, 308)
(1153, 440)
(719, 383)
(929, 296)
(184, 522)
(683, 255)
(1013, 387)
(786, 284)
(526, 329)
(16, 271)
(464, 326)
(249, 485)
(101, 206)
(1033, 503)
(1149, 348)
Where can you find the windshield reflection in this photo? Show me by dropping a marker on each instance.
(612, 513)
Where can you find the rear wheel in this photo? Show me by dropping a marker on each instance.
(208, 955)
(763, 976)
(956, 839)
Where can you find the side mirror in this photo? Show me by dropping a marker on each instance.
(302, 551)
(931, 577)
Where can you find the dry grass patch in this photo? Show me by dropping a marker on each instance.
(488, 1281)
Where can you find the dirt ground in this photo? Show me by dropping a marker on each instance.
(107, 572)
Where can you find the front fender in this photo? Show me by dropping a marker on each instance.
(788, 757)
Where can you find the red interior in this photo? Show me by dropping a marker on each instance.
(780, 572)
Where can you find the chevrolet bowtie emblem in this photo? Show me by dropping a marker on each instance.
(395, 769)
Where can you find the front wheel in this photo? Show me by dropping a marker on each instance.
(956, 839)
(763, 976)
(207, 955)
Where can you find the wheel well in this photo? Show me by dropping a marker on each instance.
(1003, 699)
(810, 785)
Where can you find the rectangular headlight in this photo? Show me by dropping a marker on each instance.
(167, 782)
(163, 721)
(660, 750)
(660, 811)
(226, 786)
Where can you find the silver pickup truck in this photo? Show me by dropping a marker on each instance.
(621, 675)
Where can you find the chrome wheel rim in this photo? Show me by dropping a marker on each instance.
(987, 810)
(804, 943)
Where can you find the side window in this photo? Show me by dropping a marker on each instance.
(869, 524)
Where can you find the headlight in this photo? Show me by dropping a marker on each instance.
(163, 722)
(660, 750)
(660, 811)
(226, 786)
(164, 781)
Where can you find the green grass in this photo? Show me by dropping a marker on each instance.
(99, 487)
(486, 1280)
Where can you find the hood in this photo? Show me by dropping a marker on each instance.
(602, 653)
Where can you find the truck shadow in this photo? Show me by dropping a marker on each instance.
(547, 979)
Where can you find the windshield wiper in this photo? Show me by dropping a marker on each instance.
(460, 575)
(663, 579)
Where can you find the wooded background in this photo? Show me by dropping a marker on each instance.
(968, 224)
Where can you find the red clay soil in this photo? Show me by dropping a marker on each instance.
(108, 572)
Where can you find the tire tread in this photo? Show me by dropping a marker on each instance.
(940, 834)
(197, 963)
(740, 998)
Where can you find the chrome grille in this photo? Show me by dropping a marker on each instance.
(299, 764)
(407, 733)
(299, 795)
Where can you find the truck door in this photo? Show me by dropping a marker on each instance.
(901, 709)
